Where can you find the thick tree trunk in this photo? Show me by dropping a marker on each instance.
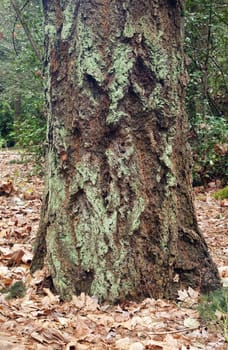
(118, 219)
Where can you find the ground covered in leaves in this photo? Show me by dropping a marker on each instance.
(31, 317)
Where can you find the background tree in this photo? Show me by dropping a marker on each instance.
(117, 218)
(206, 45)
(21, 75)
(21, 101)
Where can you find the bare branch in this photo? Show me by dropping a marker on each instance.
(27, 31)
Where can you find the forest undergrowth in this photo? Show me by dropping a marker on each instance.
(32, 317)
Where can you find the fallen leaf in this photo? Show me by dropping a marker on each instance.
(6, 188)
(71, 346)
(15, 258)
(123, 344)
(194, 294)
(136, 346)
(223, 271)
(50, 298)
(191, 323)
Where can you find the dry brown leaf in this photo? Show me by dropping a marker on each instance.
(123, 344)
(53, 335)
(37, 336)
(71, 346)
(7, 345)
(6, 188)
(188, 297)
(8, 342)
(15, 258)
(191, 323)
(78, 301)
(221, 149)
(27, 257)
(82, 330)
(90, 326)
(6, 282)
(42, 347)
(39, 276)
(223, 271)
(194, 294)
(78, 346)
(85, 302)
(50, 298)
(30, 195)
(136, 346)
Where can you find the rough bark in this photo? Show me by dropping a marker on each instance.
(118, 219)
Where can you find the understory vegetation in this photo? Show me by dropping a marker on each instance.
(213, 310)
(22, 111)
(206, 44)
(22, 114)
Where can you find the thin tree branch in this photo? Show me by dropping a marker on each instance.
(221, 71)
(209, 34)
(27, 31)
(14, 24)
(13, 40)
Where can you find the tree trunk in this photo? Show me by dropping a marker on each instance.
(118, 219)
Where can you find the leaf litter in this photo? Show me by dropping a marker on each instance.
(39, 320)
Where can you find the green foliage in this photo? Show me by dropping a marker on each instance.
(6, 124)
(206, 46)
(30, 126)
(30, 132)
(209, 137)
(16, 290)
(213, 309)
(222, 194)
(21, 81)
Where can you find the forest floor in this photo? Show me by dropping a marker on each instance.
(38, 320)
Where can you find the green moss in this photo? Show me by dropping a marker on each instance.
(129, 30)
(134, 216)
(121, 163)
(86, 172)
(221, 194)
(92, 235)
(108, 283)
(68, 21)
(159, 61)
(56, 247)
(123, 61)
(168, 206)
(17, 290)
(55, 185)
(89, 59)
(113, 198)
(213, 310)
(50, 30)
(166, 156)
(155, 100)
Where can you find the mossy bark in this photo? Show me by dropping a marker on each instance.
(118, 219)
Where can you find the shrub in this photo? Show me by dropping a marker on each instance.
(213, 310)
(222, 194)
(6, 124)
(209, 145)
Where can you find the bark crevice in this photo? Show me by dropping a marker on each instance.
(119, 221)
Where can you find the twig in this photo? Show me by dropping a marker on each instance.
(26, 29)
(174, 331)
(13, 31)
